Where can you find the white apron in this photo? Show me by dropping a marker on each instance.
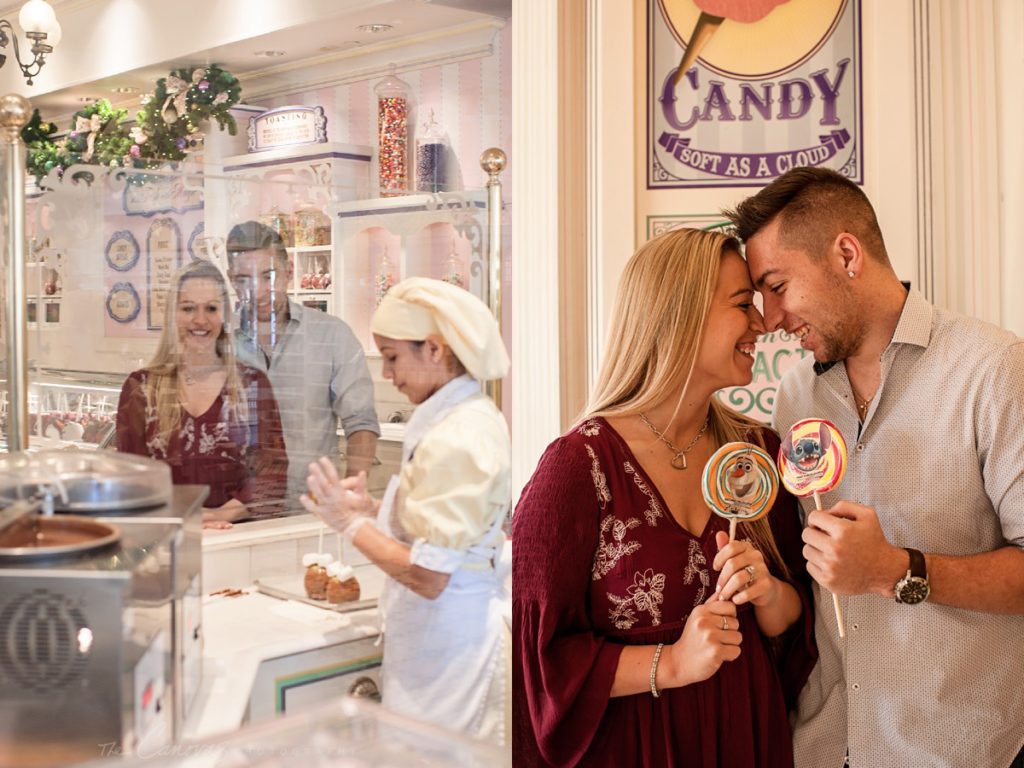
(445, 659)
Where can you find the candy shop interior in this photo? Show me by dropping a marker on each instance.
(206, 204)
(351, 144)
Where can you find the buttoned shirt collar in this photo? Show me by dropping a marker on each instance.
(914, 327)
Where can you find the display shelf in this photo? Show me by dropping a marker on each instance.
(374, 242)
(70, 407)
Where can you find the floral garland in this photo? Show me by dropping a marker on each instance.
(166, 129)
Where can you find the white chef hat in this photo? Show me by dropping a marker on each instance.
(419, 307)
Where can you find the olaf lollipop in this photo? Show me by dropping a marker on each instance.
(812, 461)
(740, 483)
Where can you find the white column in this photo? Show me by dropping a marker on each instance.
(959, 122)
(1009, 21)
(535, 345)
(611, 160)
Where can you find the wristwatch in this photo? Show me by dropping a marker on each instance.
(913, 588)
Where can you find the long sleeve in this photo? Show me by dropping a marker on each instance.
(351, 385)
(456, 485)
(562, 670)
(131, 416)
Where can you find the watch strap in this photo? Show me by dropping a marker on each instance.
(917, 568)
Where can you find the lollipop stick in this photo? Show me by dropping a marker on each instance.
(732, 529)
(320, 539)
(840, 621)
(703, 31)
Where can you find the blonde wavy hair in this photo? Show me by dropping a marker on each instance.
(661, 306)
(162, 382)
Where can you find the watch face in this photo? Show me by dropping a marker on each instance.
(912, 590)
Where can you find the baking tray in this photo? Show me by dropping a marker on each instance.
(371, 579)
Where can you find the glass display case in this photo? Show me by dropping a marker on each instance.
(345, 733)
(69, 408)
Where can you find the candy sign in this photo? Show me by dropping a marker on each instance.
(765, 86)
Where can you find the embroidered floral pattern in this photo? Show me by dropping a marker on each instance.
(589, 428)
(609, 552)
(621, 614)
(697, 569)
(646, 595)
(654, 510)
(600, 482)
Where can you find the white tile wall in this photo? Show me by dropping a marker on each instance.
(273, 559)
(226, 568)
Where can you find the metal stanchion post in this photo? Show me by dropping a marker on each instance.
(15, 112)
(493, 161)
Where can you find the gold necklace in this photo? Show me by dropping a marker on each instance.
(679, 456)
(862, 405)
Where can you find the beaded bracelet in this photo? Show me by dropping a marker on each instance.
(654, 670)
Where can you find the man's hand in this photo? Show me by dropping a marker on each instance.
(848, 554)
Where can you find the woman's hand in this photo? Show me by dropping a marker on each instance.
(222, 517)
(744, 574)
(342, 504)
(710, 638)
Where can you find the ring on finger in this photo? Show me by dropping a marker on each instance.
(725, 624)
(750, 574)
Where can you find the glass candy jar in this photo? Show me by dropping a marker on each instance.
(431, 158)
(453, 270)
(392, 135)
(384, 279)
(279, 222)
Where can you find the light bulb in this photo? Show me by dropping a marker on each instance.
(53, 34)
(37, 16)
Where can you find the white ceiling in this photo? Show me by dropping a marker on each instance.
(327, 46)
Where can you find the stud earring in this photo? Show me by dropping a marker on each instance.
(850, 273)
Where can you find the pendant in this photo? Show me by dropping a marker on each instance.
(679, 457)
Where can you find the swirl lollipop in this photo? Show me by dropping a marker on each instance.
(812, 461)
(740, 483)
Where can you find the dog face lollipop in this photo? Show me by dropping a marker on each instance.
(740, 482)
(812, 458)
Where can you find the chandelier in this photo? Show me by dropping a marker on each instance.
(41, 27)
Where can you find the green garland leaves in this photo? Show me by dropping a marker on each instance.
(166, 130)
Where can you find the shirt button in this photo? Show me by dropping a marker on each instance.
(856, 686)
(860, 447)
(856, 626)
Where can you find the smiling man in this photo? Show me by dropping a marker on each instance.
(923, 540)
(314, 361)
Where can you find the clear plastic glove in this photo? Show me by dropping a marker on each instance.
(345, 505)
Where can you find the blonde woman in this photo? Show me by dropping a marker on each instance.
(213, 420)
(642, 636)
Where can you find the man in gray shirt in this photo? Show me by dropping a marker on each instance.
(923, 540)
(315, 363)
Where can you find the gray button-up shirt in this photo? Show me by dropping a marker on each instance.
(319, 374)
(941, 460)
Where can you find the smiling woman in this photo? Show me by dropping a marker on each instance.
(212, 419)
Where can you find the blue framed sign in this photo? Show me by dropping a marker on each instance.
(123, 303)
(163, 260)
(122, 251)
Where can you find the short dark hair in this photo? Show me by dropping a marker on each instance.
(254, 236)
(813, 205)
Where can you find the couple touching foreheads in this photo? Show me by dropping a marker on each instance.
(644, 637)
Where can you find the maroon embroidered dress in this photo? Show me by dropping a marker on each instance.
(243, 459)
(599, 563)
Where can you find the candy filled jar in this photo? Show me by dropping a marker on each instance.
(431, 158)
(392, 135)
